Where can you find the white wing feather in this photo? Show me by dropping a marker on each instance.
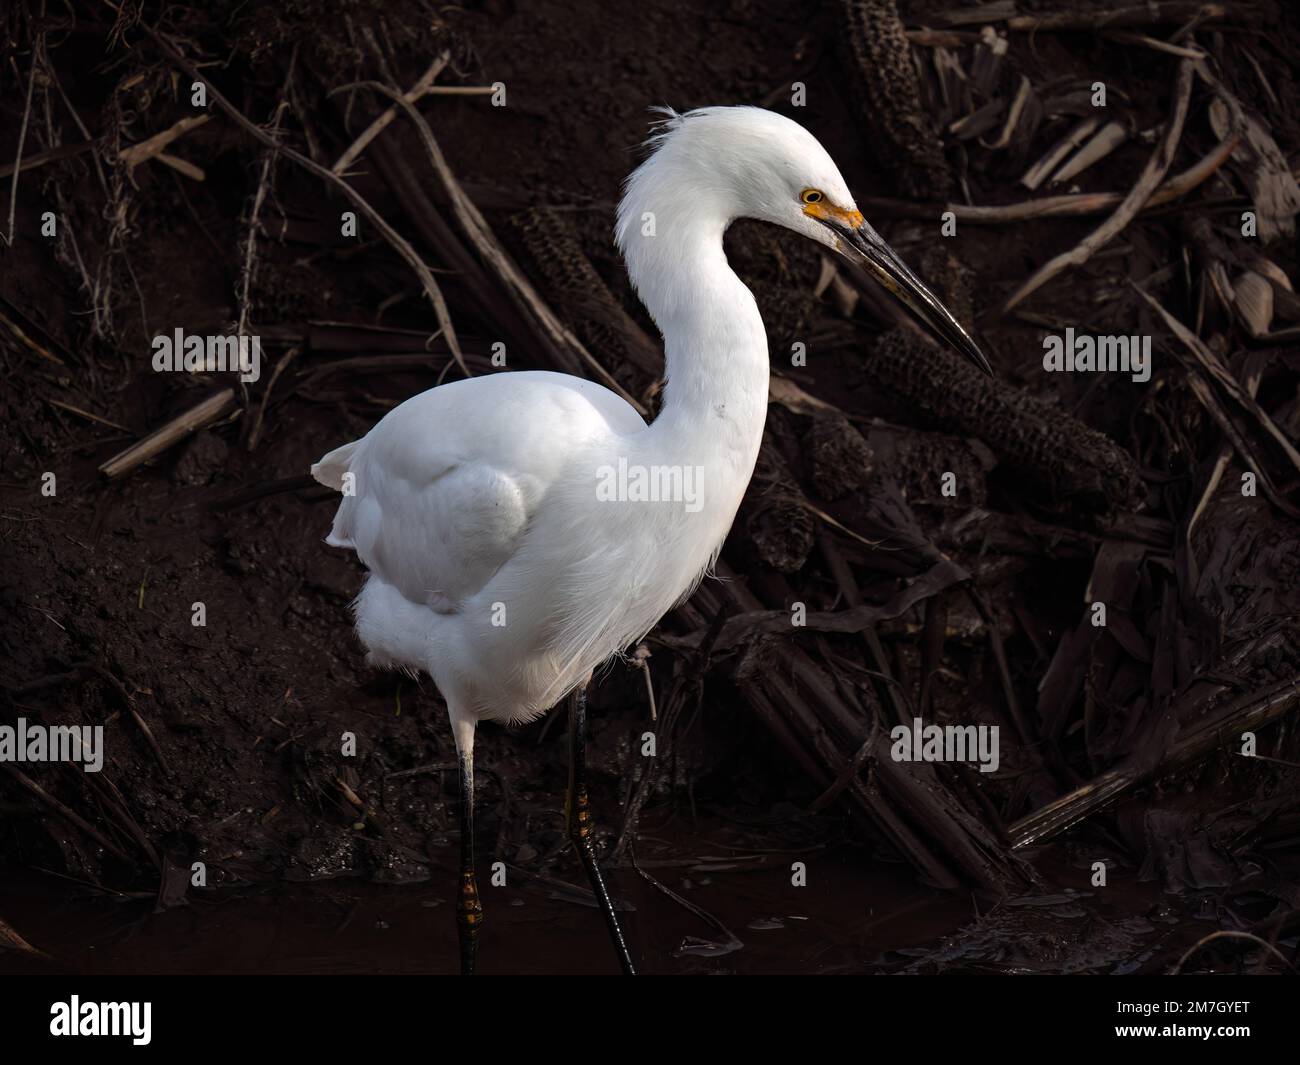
(445, 489)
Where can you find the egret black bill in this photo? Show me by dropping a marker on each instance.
(863, 244)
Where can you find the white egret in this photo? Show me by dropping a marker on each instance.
(521, 528)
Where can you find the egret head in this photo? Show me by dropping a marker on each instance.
(746, 162)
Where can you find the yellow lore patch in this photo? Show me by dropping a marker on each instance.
(828, 212)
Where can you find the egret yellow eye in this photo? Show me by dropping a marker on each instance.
(811, 196)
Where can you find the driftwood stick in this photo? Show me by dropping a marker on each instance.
(20, 333)
(171, 433)
(1247, 713)
(1069, 206)
(135, 154)
(1103, 21)
(182, 166)
(1107, 140)
(1136, 15)
(1042, 170)
(88, 415)
(1151, 176)
(51, 155)
(386, 117)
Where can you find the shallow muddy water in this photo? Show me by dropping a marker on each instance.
(855, 915)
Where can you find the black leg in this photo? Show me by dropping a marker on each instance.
(469, 911)
(577, 820)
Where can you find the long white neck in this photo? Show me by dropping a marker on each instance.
(715, 399)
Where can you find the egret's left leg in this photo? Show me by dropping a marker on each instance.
(577, 820)
(469, 911)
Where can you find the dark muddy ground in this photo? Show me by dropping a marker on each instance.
(222, 740)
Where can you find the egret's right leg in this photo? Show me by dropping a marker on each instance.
(577, 821)
(469, 911)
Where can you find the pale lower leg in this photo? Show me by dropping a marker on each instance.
(469, 911)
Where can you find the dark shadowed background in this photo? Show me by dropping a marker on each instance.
(973, 606)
